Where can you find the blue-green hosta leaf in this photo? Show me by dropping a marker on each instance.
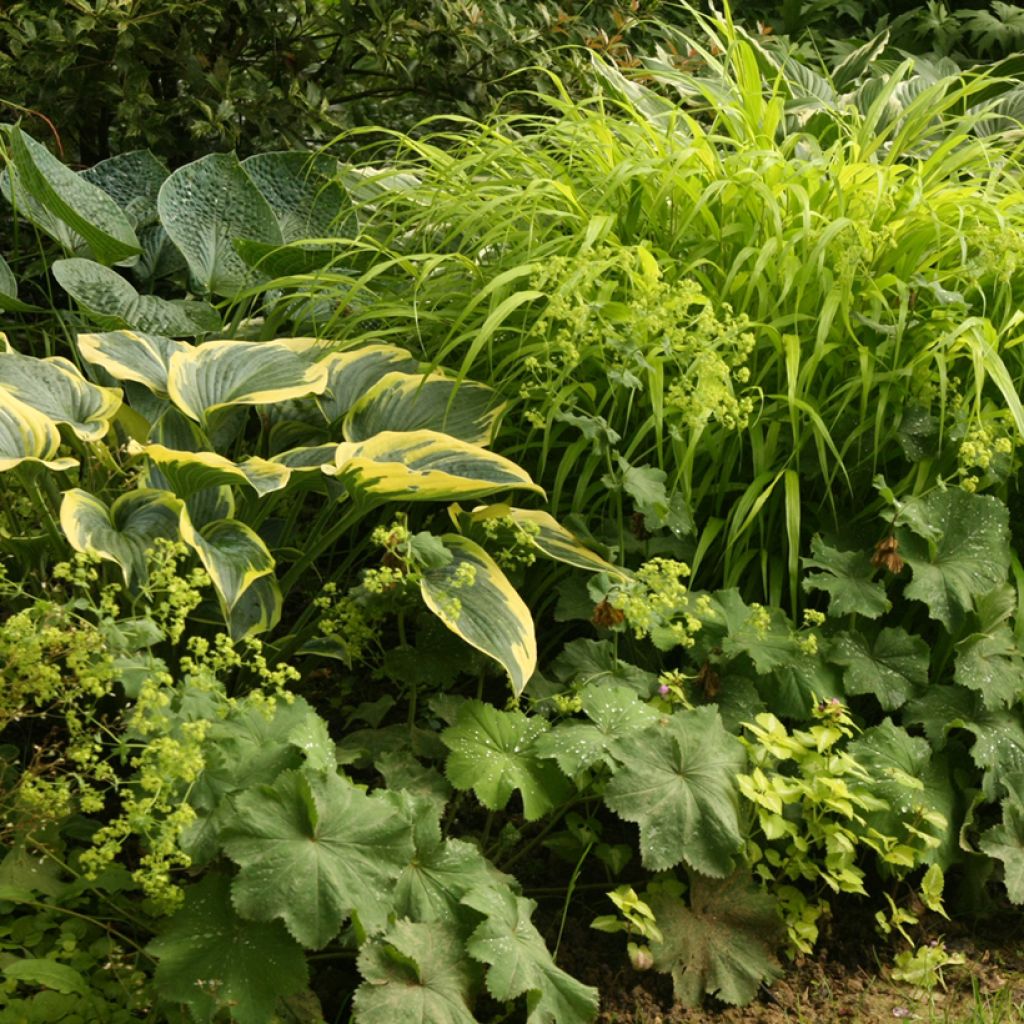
(423, 465)
(9, 291)
(55, 388)
(186, 472)
(122, 533)
(408, 401)
(848, 579)
(219, 374)
(891, 664)
(474, 599)
(304, 193)
(232, 553)
(114, 301)
(65, 205)
(722, 944)
(519, 962)
(128, 355)
(214, 962)
(416, 974)
(1005, 841)
(26, 435)
(495, 753)
(677, 781)
(203, 207)
(968, 557)
(916, 784)
(312, 848)
(992, 664)
(133, 181)
(614, 712)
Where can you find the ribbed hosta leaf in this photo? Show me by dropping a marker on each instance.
(122, 533)
(350, 375)
(474, 599)
(133, 181)
(219, 374)
(128, 355)
(423, 465)
(405, 401)
(203, 207)
(55, 388)
(114, 302)
(26, 435)
(9, 291)
(257, 610)
(189, 472)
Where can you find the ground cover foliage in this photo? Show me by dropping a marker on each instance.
(617, 498)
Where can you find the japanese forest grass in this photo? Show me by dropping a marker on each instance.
(729, 315)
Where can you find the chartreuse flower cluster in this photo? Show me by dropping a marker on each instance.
(650, 603)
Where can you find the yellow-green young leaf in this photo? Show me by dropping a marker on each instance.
(232, 553)
(411, 401)
(125, 531)
(26, 435)
(351, 374)
(257, 610)
(55, 388)
(423, 465)
(189, 472)
(224, 373)
(551, 538)
(128, 355)
(474, 599)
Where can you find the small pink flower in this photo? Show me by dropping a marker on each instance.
(663, 689)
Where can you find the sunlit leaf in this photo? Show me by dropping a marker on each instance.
(128, 355)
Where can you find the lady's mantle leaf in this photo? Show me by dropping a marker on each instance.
(678, 783)
(1005, 842)
(969, 556)
(847, 578)
(890, 665)
(210, 959)
(992, 664)
(416, 974)
(722, 944)
(520, 962)
(312, 849)
(494, 752)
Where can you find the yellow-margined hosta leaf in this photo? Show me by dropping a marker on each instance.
(55, 388)
(257, 610)
(423, 465)
(125, 531)
(219, 374)
(232, 553)
(26, 435)
(550, 537)
(189, 472)
(350, 375)
(411, 401)
(474, 599)
(129, 355)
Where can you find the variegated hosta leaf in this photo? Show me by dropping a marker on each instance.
(306, 460)
(125, 531)
(128, 355)
(350, 375)
(189, 472)
(257, 610)
(55, 388)
(550, 537)
(423, 465)
(219, 374)
(26, 435)
(407, 401)
(474, 599)
(231, 552)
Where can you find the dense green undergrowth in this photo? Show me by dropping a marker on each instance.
(618, 498)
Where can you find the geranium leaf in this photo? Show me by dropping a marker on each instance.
(677, 781)
(431, 980)
(722, 944)
(212, 961)
(847, 578)
(494, 753)
(890, 664)
(519, 961)
(968, 556)
(593, 662)
(312, 848)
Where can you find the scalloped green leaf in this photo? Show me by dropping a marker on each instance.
(26, 435)
(312, 848)
(423, 465)
(55, 388)
(204, 206)
(474, 599)
(122, 533)
(677, 781)
(129, 355)
(890, 664)
(848, 579)
(114, 302)
(64, 204)
(1005, 841)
